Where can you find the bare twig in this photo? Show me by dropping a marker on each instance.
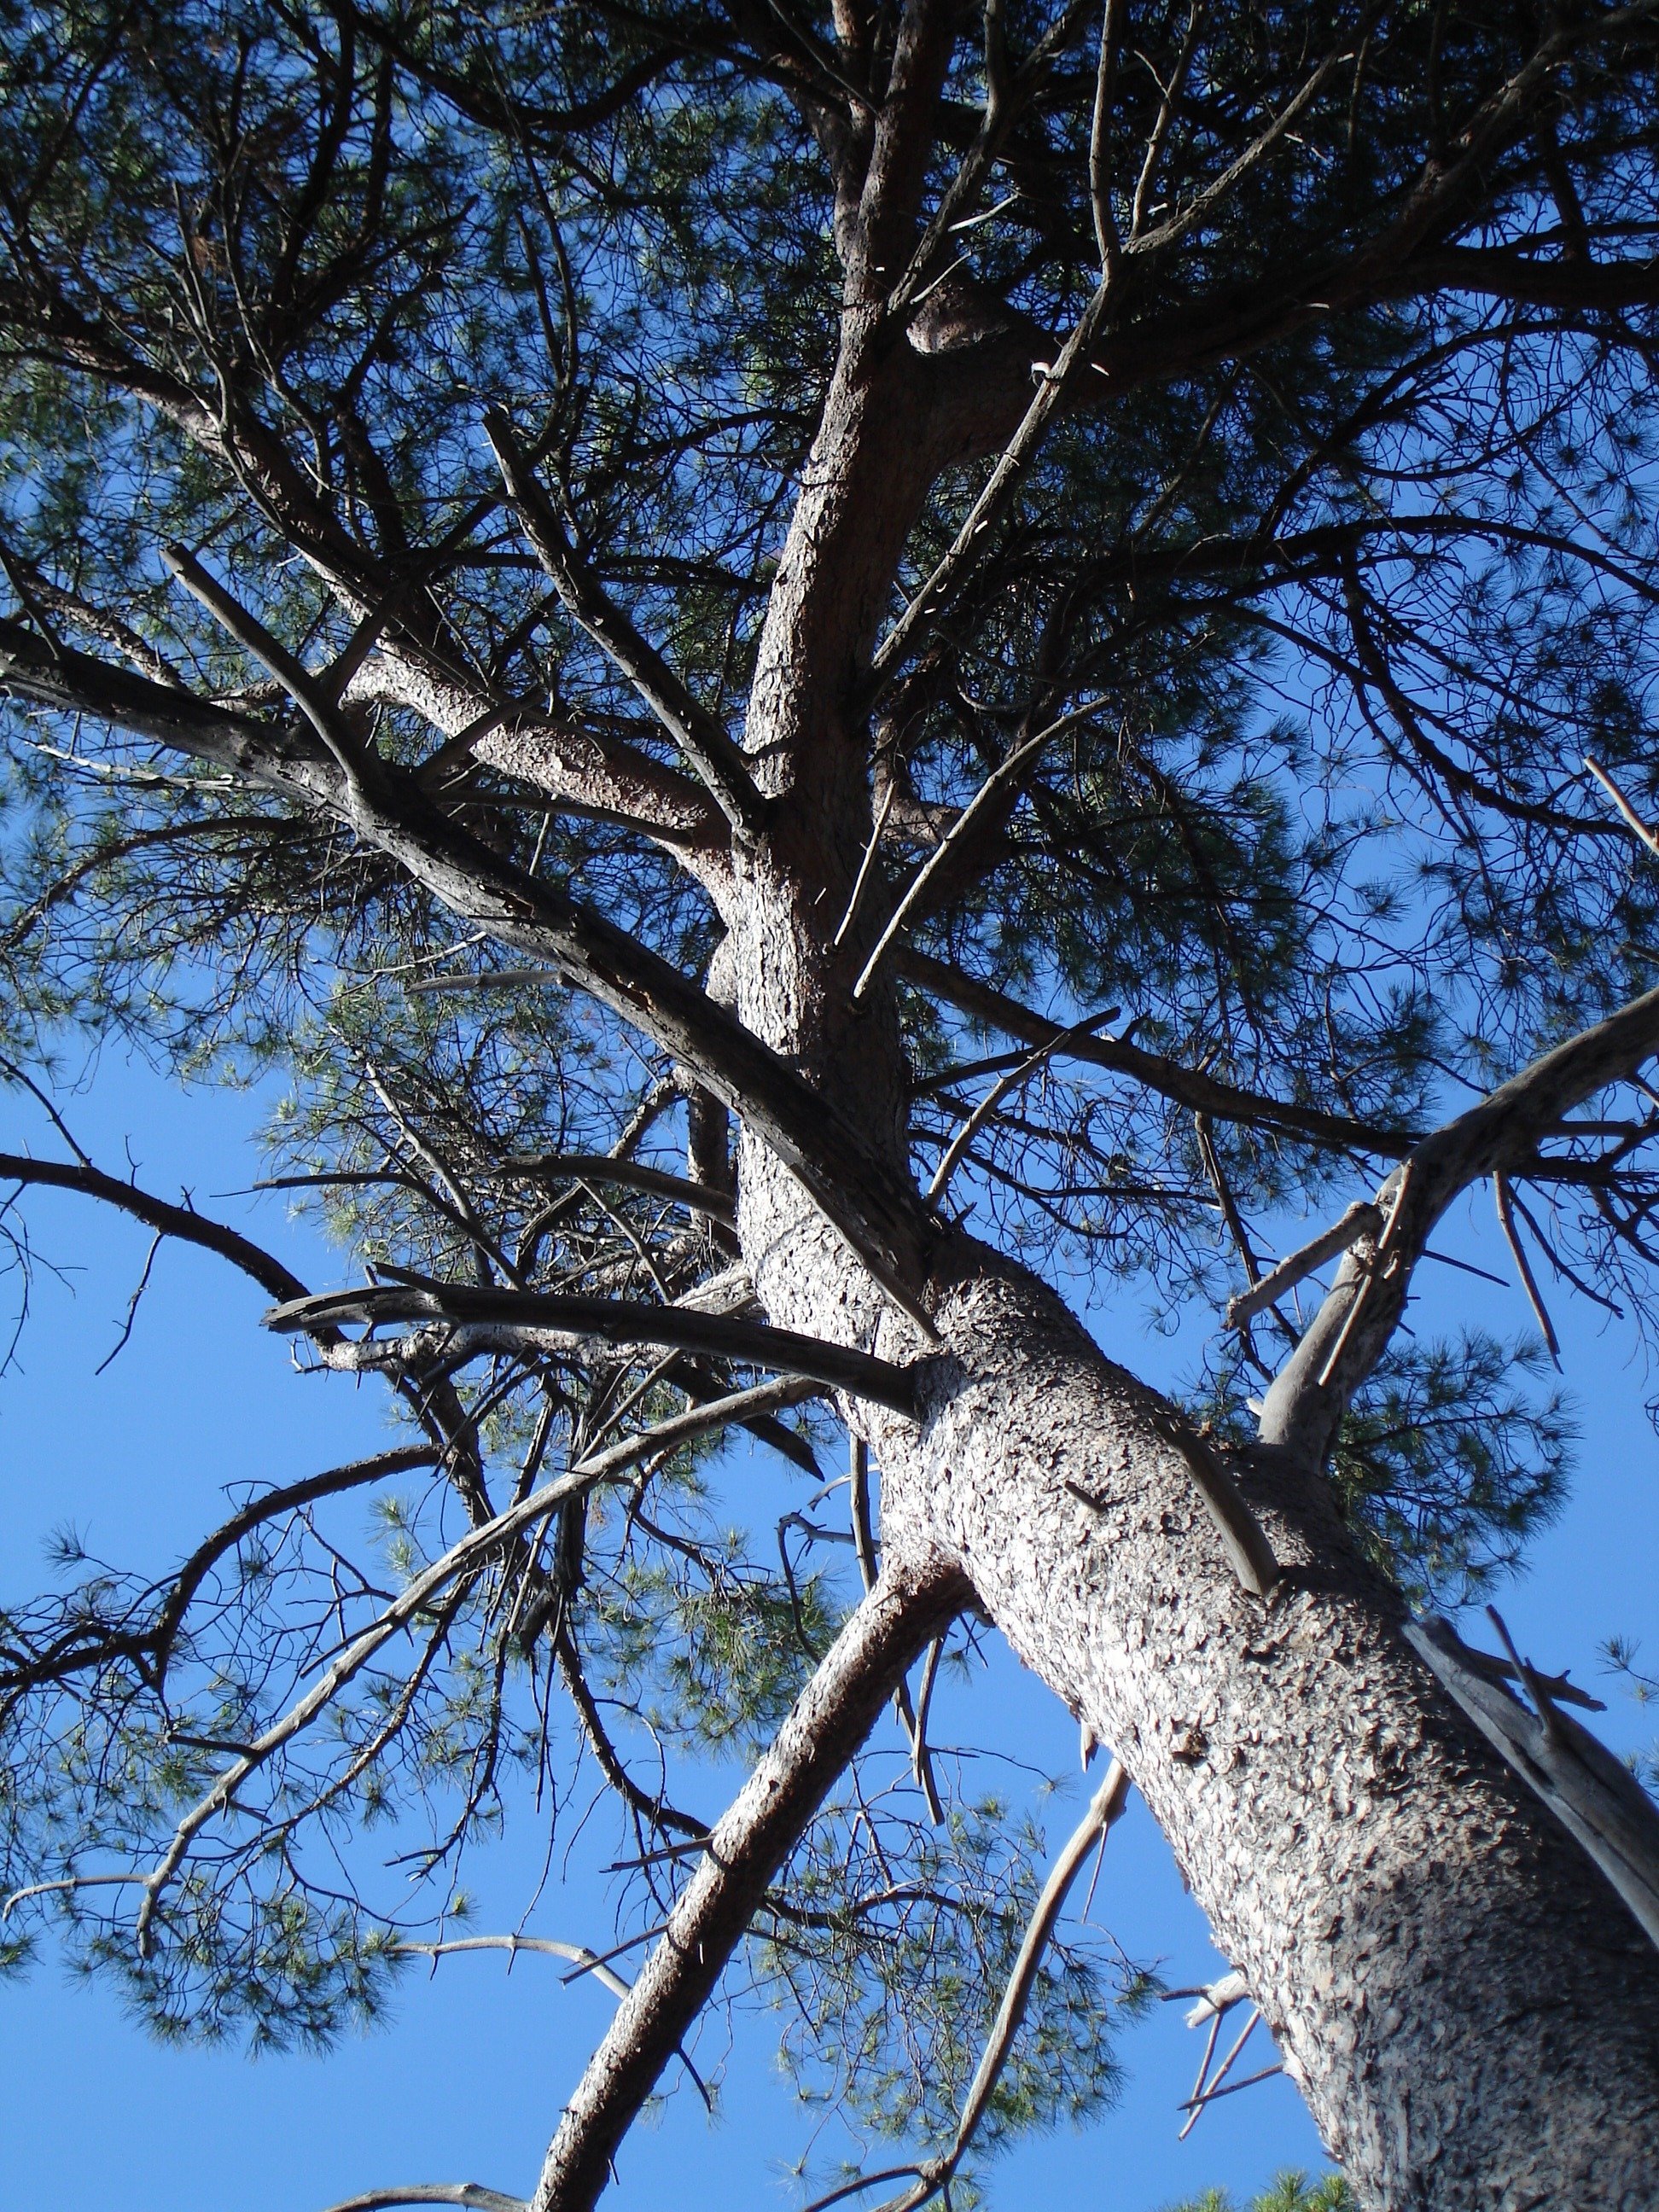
(586, 1963)
(1187, 1086)
(65, 1885)
(1158, 137)
(628, 1175)
(974, 536)
(653, 1809)
(1647, 836)
(489, 979)
(857, 2186)
(749, 1844)
(867, 862)
(704, 740)
(1558, 1688)
(1107, 240)
(696, 1422)
(1363, 1218)
(589, 1961)
(1596, 1797)
(133, 1303)
(1231, 2090)
(1243, 1537)
(1498, 1134)
(1204, 1131)
(921, 1759)
(1214, 1999)
(1379, 1259)
(310, 695)
(1257, 150)
(1500, 1191)
(864, 1549)
(470, 2194)
(1008, 96)
(1206, 2090)
(1010, 1082)
(864, 1541)
(945, 851)
(1529, 1681)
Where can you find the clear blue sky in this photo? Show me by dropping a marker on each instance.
(466, 2080)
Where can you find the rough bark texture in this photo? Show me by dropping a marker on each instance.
(1473, 2016)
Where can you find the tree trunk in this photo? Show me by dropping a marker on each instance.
(1471, 2014)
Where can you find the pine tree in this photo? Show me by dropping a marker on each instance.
(811, 669)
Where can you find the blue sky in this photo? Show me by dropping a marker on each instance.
(466, 2080)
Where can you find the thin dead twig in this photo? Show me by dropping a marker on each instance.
(1015, 1077)
(1500, 1191)
(992, 789)
(976, 531)
(1203, 2090)
(589, 1961)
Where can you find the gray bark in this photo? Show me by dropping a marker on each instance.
(1471, 2013)
(915, 1599)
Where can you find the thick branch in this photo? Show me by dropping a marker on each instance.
(584, 763)
(1356, 1321)
(875, 1209)
(750, 1844)
(704, 740)
(1596, 1799)
(1362, 1217)
(628, 1175)
(181, 1222)
(470, 2194)
(615, 1322)
(1585, 287)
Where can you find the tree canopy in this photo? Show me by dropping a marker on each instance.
(1248, 651)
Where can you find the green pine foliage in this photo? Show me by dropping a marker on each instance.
(1291, 2192)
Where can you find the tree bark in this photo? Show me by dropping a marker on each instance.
(1471, 2014)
